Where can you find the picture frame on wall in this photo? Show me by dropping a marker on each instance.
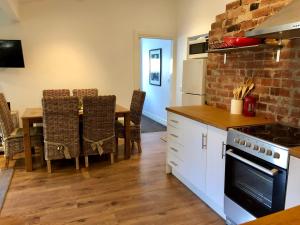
(155, 65)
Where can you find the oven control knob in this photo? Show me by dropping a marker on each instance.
(255, 148)
(276, 155)
(248, 144)
(269, 152)
(236, 140)
(242, 142)
(262, 150)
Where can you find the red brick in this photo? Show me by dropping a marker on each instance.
(266, 82)
(265, 11)
(233, 5)
(284, 92)
(262, 107)
(221, 17)
(297, 95)
(288, 54)
(277, 83)
(295, 113)
(287, 83)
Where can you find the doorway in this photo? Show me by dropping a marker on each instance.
(156, 80)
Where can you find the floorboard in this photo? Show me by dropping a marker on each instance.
(129, 192)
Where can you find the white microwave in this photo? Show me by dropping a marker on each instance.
(197, 47)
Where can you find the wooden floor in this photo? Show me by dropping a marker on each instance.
(132, 192)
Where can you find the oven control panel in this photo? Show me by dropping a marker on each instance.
(262, 149)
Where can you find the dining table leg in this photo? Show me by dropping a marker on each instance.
(127, 151)
(27, 145)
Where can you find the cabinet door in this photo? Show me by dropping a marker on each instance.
(293, 186)
(215, 170)
(195, 153)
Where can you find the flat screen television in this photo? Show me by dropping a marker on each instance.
(11, 54)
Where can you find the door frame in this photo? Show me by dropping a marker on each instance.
(137, 60)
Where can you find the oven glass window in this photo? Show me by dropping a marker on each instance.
(253, 183)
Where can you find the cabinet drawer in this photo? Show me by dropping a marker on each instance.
(175, 135)
(176, 149)
(174, 120)
(174, 162)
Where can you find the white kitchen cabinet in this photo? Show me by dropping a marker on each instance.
(215, 169)
(195, 153)
(293, 185)
(196, 157)
(186, 150)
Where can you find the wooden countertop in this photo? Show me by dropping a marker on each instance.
(287, 217)
(295, 152)
(217, 117)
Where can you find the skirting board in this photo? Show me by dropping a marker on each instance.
(200, 194)
(155, 118)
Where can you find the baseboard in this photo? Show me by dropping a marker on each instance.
(155, 118)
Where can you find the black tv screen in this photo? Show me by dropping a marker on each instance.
(11, 54)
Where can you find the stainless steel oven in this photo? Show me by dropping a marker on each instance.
(255, 178)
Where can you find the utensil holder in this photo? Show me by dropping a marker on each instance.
(236, 106)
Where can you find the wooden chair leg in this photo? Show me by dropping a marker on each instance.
(49, 166)
(6, 162)
(77, 163)
(86, 160)
(117, 147)
(139, 146)
(42, 156)
(112, 158)
(132, 146)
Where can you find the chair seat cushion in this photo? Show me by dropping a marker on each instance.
(120, 124)
(18, 132)
(135, 130)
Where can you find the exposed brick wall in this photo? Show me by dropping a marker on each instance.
(277, 84)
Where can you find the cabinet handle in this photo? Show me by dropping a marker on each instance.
(174, 163)
(175, 136)
(174, 121)
(174, 149)
(204, 143)
(223, 149)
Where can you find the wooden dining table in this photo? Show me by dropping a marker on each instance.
(35, 115)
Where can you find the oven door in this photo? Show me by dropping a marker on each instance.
(255, 185)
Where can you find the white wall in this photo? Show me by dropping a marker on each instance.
(157, 97)
(80, 44)
(194, 17)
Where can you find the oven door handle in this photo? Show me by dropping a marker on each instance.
(272, 172)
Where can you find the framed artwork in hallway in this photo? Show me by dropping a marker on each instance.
(155, 65)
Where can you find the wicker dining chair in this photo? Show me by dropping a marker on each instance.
(85, 92)
(99, 126)
(136, 109)
(61, 129)
(12, 137)
(56, 93)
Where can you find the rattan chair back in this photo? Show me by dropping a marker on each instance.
(54, 93)
(6, 122)
(99, 123)
(136, 107)
(85, 92)
(61, 127)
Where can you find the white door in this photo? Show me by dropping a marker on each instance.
(195, 153)
(215, 170)
(158, 93)
(194, 72)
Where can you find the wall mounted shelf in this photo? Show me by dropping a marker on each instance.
(247, 48)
